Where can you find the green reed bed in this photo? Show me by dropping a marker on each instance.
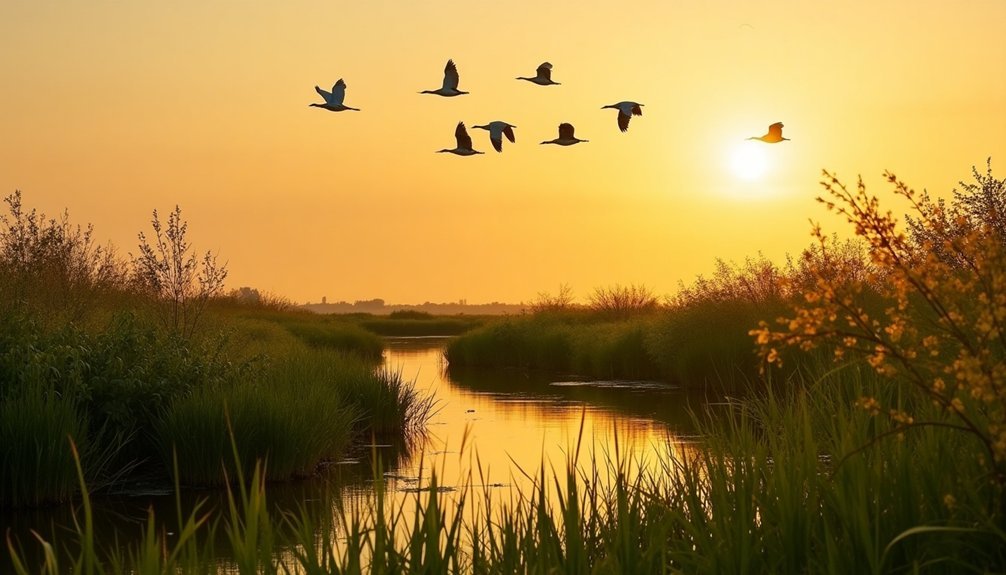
(288, 418)
(301, 410)
(388, 404)
(35, 457)
(421, 326)
(337, 336)
(560, 343)
(694, 343)
(707, 341)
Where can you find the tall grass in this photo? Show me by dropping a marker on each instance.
(36, 427)
(389, 405)
(563, 342)
(798, 480)
(303, 409)
(420, 326)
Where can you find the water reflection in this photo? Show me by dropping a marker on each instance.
(512, 420)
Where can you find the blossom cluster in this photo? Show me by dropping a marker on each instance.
(931, 311)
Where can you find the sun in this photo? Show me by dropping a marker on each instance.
(749, 160)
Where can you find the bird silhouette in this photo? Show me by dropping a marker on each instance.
(566, 137)
(543, 77)
(464, 146)
(774, 135)
(626, 110)
(334, 99)
(450, 85)
(497, 130)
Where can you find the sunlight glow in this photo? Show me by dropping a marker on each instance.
(749, 160)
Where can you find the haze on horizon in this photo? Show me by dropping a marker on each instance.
(112, 110)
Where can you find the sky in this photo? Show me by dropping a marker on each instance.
(111, 110)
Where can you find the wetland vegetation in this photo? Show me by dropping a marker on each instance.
(870, 437)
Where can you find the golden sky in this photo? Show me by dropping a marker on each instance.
(113, 109)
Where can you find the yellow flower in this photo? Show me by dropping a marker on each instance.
(950, 502)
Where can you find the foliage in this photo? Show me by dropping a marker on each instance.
(76, 363)
(176, 279)
(978, 209)
(941, 331)
(251, 298)
(50, 265)
(545, 302)
(623, 301)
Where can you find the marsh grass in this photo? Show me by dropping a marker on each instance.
(561, 342)
(304, 409)
(337, 337)
(411, 326)
(389, 404)
(793, 481)
(36, 463)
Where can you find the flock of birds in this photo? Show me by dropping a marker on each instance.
(334, 102)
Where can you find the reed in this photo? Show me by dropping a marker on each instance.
(290, 416)
(410, 326)
(796, 480)
(559, 342)
(389, 405)
(337, 336)
(36, 464)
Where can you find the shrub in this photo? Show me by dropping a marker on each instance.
(623, 301)
(940, 334)
(49, 267)
(178, 282)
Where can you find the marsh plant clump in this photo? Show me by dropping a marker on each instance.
(136, 360)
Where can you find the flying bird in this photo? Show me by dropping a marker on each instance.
(496, 131)
(566, 137)
(464, 147)
(544, 77)
(626, 110)
(774, 135)
(334, 99)
(450, 86)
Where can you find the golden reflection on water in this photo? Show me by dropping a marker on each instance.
(494, 433)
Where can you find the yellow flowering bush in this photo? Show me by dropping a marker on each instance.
(941, 286)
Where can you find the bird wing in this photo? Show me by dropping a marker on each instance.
(497, 144)
(326, 95)
(508, 131)
(638, 111)
(451, 76)
(461, 135)
(566, 131)
(545, 71)
(338, 93)
(775, 130)
(623, 121)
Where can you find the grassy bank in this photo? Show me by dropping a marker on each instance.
(410, 323)
(567, 343)
(137, 360)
